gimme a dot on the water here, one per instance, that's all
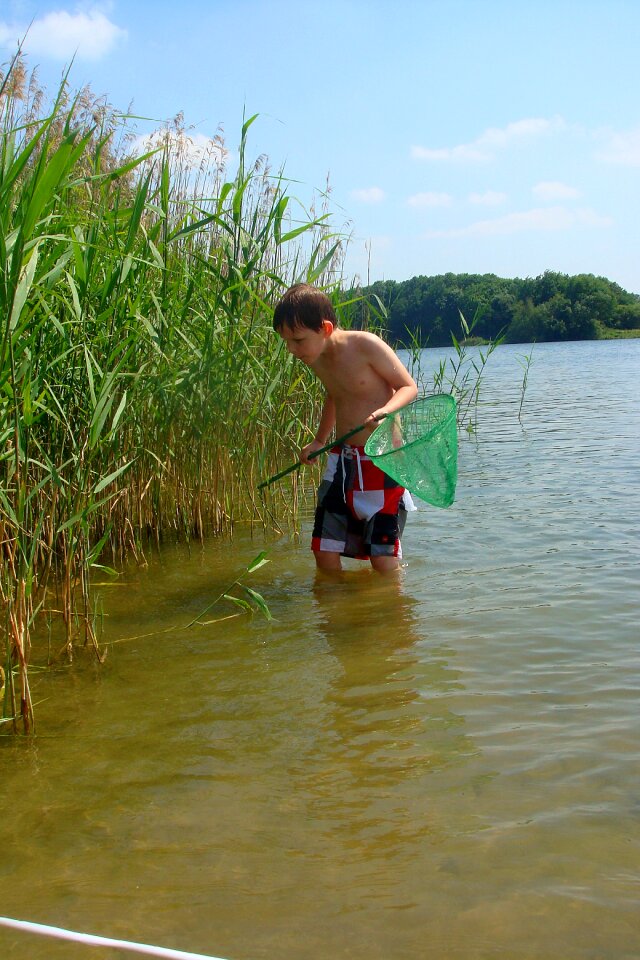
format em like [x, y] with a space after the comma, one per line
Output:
[444, 766]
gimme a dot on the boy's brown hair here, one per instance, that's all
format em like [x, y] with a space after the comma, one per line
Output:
[303, 306]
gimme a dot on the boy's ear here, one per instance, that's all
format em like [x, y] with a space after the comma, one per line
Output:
[327, 326]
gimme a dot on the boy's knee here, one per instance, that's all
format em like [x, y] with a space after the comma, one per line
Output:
[327, 561]
[385, 564]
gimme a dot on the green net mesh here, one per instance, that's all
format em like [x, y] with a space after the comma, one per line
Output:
[418, 447]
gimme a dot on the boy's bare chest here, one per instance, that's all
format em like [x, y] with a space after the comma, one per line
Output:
[348, 378]
[353, 384]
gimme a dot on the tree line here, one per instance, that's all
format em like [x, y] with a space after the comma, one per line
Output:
[554, 306]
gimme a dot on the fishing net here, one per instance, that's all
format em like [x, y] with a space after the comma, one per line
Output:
[418, 447]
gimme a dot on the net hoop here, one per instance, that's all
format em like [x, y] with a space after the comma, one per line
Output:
[426, 462]
[425, 438]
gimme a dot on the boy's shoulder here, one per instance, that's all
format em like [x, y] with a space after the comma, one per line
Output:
[362, 338]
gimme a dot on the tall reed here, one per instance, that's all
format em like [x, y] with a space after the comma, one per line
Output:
[142, 392]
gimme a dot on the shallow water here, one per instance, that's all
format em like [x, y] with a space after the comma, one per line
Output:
[443, 765]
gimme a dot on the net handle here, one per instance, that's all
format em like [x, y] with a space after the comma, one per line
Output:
[316, 453]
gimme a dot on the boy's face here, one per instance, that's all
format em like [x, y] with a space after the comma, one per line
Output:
[305, 344]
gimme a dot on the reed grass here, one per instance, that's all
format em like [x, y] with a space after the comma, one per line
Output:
[525, 361]
[142, 392]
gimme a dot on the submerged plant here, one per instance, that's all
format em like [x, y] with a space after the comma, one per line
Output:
[247, 601]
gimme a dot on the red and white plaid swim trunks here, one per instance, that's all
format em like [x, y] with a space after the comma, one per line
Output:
[361, 511]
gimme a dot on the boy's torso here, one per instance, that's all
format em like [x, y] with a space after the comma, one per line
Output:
[352, 383]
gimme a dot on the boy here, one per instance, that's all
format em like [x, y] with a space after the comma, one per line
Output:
[360, 511]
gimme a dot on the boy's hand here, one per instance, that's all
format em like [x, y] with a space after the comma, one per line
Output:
[401, 397]
[309, 449]
[377, 415]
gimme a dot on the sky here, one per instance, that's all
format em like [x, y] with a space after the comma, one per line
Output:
[463, 136]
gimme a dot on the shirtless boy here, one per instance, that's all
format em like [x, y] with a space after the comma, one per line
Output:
[360, 511]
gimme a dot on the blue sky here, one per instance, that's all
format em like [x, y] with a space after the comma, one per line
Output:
[477, 136]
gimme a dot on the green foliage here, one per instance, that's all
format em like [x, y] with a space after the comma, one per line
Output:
[553, 306]
[142, 390]
[247, 603]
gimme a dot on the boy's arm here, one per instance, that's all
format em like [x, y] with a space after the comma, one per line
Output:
[401, 398]
[326, 425]
[388, 365]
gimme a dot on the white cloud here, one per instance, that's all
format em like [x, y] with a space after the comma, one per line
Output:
[490, 198]
[368, 195]
[539, 219]
[622, 149]
[465, 151]
[491, 140]
[549, 190]
[61, 35]
[429, 200]
[532, 127]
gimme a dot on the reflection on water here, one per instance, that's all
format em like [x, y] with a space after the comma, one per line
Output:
[438, 764]
[385, 724]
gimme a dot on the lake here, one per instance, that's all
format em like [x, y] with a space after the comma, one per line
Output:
[439, 765]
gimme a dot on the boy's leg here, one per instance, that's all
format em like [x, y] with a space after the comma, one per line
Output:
[385, 564]
[331, 521]
[326, 560]
[384, 530]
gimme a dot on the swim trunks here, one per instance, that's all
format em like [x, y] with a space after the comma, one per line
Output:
[361, 511]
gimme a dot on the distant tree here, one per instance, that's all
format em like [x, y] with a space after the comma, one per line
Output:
[547, 286]
[526, 325]
[552, 306]
[626, 316]
[557, 318]
[502, 309]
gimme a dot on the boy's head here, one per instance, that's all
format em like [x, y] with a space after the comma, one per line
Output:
[303, 306]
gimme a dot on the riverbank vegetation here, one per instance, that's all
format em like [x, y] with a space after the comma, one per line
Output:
[553, 306]
[142, 391]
